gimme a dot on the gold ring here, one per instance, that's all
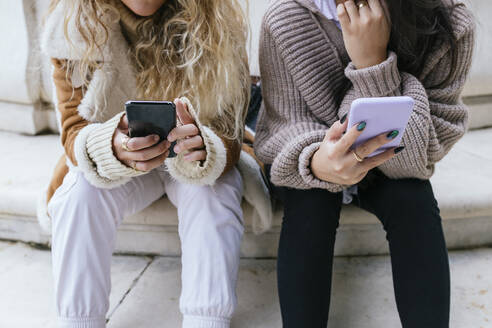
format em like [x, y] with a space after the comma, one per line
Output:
[134, 166]
[361, 4]
[124, 144]
[357, 157]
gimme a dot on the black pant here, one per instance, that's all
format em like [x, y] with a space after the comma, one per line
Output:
[410, 215]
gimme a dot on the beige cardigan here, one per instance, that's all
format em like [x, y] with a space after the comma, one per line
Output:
[308, 84]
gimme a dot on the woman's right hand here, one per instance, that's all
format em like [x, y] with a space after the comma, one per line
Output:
[143, 154]
[335, 162]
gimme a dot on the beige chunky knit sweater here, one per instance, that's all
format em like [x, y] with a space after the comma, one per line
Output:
[309, 83]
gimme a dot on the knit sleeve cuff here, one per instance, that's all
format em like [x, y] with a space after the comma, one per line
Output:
[86, 165]
[291, 167]
[376, 81]
[200, 172]
[99, 146]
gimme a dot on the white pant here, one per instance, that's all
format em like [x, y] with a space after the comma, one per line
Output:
[85, 220]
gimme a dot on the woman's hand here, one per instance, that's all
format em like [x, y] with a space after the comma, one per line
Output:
[366, 31]
[142, 153]
[188, 135]
[334, 161]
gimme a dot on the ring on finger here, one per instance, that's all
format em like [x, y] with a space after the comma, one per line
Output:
[357, 157]
[134, 166]
[124, 144]
[361, 4]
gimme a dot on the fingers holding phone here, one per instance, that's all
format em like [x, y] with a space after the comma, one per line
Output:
[336, 161]
[331, 162]
[187, 135]
[374, 131]
[141, 153]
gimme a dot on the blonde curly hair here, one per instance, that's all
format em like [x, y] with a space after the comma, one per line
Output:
[192, 48]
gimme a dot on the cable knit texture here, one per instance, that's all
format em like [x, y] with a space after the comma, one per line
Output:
[309, 83]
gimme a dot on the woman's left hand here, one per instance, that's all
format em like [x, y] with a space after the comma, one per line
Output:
[187, 134]
[366, 31]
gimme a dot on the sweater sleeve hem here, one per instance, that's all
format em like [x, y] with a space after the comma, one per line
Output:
[306, 173]
[100, 149]
[376, 81]
[291, 166]
[196, 172]
[87, 165]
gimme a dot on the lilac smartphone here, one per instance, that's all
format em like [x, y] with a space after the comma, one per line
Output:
[381, 115]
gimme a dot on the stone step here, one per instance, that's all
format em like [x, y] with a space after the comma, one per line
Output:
[480, 111]
[145, 291]
[461, 184]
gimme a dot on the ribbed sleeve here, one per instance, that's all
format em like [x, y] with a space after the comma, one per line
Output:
[200, 172]
[376, 81]
[99, 147]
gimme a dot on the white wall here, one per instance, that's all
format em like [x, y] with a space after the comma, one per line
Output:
[480, 82]
[256, 10]
[13, 52]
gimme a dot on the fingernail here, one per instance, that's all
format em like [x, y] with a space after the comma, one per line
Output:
[399, 149]
[176, 149]
[392, 134]
[361, 126]
[156, 137]
[342, 120]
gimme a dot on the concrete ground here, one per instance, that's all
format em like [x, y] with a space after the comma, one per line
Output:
[146, 291]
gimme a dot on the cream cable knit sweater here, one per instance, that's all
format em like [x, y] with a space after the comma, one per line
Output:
[308, 84]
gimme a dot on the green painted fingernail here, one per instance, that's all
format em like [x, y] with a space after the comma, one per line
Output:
[392, 134]
[361, 126]
[399, 149]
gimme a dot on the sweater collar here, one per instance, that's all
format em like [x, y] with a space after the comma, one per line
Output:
[129, 22]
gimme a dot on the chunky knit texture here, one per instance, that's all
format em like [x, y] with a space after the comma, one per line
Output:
[309, 83]
[99, 145]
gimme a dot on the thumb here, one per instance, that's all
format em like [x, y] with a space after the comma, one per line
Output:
[123, 123]
[183, 113]
[336, 130]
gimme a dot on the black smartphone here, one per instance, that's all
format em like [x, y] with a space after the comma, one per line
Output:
[151, 117]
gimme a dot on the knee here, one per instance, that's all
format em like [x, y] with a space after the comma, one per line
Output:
[75, 190]
[311, 210]
[211, 211]
[77, 202]
[411, 203]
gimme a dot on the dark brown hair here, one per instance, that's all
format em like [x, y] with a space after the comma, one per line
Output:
[417, 27]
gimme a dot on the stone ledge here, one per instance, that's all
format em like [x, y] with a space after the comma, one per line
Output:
[26, 118]
[480, 109]
[465, 200]
[353, 239]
